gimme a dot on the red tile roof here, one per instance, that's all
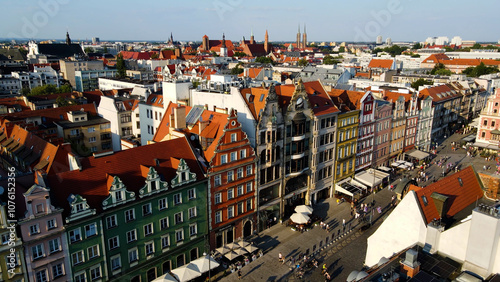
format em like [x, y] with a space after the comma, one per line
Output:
[459, 196]
[155, 100]
[92, 181]
[52, 114]
[14, 101]
[436, 58]
[380, 63]
[255, 98]
[130, 55]
[320, 101]
[439, 93]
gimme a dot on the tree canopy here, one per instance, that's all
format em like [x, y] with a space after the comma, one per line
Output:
[393, 50]
[120, 66]
[236, 70]
[50, 89]
[329, 60]
[440, 69]
[239, 54]
[416, 46]
[479, 70]
[303, 62]
[420, 82]
[88, 50]
[264, 60]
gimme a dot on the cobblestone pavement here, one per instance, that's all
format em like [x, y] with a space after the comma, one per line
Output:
[347, 253]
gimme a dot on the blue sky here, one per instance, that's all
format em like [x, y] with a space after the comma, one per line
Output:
[358, 20]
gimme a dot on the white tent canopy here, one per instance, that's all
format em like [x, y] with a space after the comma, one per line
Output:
[166, 278]
[417, 154]
[304, 209]
[300, 218]
[371, 177]
[349, 187]
[205, 263]
[186, 272]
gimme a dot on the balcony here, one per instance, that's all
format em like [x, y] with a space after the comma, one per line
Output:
[299, 138]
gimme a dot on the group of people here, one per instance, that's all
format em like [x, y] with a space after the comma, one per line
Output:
[324, 226]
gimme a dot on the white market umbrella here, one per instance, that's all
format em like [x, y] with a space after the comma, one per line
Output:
[231, 255]
[304, 209]
[186, 272]
[166, 278]
[251, 248]
[233, 246]
[243, 243]
[223, 250]
[205, 263]
[299, 218]
[241, 251]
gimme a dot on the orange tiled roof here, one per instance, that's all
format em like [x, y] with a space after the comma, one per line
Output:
[436, 58]
[126, 165]
[320, 102]
[439, 93]
[380, 63]
[459, 196]
[256, 99]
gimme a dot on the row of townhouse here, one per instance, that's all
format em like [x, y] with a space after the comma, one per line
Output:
[129, 216]
[306, 138]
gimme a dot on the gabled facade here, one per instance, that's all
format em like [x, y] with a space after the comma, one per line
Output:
[232, 192]
[347, 135]
[44, 239]
[398, 129]
[270, 143]
[411, 113]
[366, 129]
[424, 125]
[488, 133]
[299, 119]
[143, 215]
[382, 136]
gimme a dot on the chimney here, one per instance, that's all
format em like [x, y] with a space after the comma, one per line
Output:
[205, 107]
[410, 266]
[202, 126]
[441, 203]
[180, 117]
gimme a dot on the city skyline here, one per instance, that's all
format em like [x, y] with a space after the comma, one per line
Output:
[153, 21]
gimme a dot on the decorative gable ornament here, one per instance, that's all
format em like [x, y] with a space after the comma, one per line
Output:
[118, 194]
[184, 175]
[153, 185]
[79, 208]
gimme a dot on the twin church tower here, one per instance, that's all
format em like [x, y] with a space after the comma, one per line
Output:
[303, 44]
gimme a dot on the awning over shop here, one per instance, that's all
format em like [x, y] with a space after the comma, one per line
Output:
[349, 188]
[469, 138]
[417, 154]
[474, 123]
[495, 131]
[486, 145]
[371, 177]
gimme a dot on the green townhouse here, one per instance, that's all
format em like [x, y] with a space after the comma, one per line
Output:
[135, 214]
[12, 266]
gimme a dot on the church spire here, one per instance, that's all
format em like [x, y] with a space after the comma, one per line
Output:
[223, 41]
[298, 37]
[252, 41]
[68, 40]
[266, 42]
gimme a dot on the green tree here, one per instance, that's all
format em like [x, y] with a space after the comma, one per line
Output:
[195, 83]
[440, 69]
[303, 62]
[49, 89]
[105, 49]
[88, 50]
[236, 70]
[61, 101]
[479, 70]
[65, 88]
[264, 60]
[420, 82]
[154, 56]
[239, 54]
[477, 46]
[341, 49]
[416, 46]
[25, 91]
[329, 60]
[120, 66]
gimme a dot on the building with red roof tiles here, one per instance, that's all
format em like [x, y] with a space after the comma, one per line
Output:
[446, 103]
[131, 55]
[27, 152]
[449, 217]
[151, 199]
[433, 59]
[383, 64]
[13, 104]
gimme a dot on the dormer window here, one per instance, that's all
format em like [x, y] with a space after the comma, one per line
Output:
[79, 207]
[39, 208]
[118, 196]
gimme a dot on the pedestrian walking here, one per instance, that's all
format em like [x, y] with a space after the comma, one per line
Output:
[239, 274]
[323, 270]
[327, 277]
[280, 257]
[327, 229]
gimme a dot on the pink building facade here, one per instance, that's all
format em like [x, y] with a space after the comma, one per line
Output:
[42, 231]
[382, 138]
[488, 132]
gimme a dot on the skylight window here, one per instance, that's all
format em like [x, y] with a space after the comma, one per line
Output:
[460, 181]
[261, 97]
[424, 199]
[153, 100]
